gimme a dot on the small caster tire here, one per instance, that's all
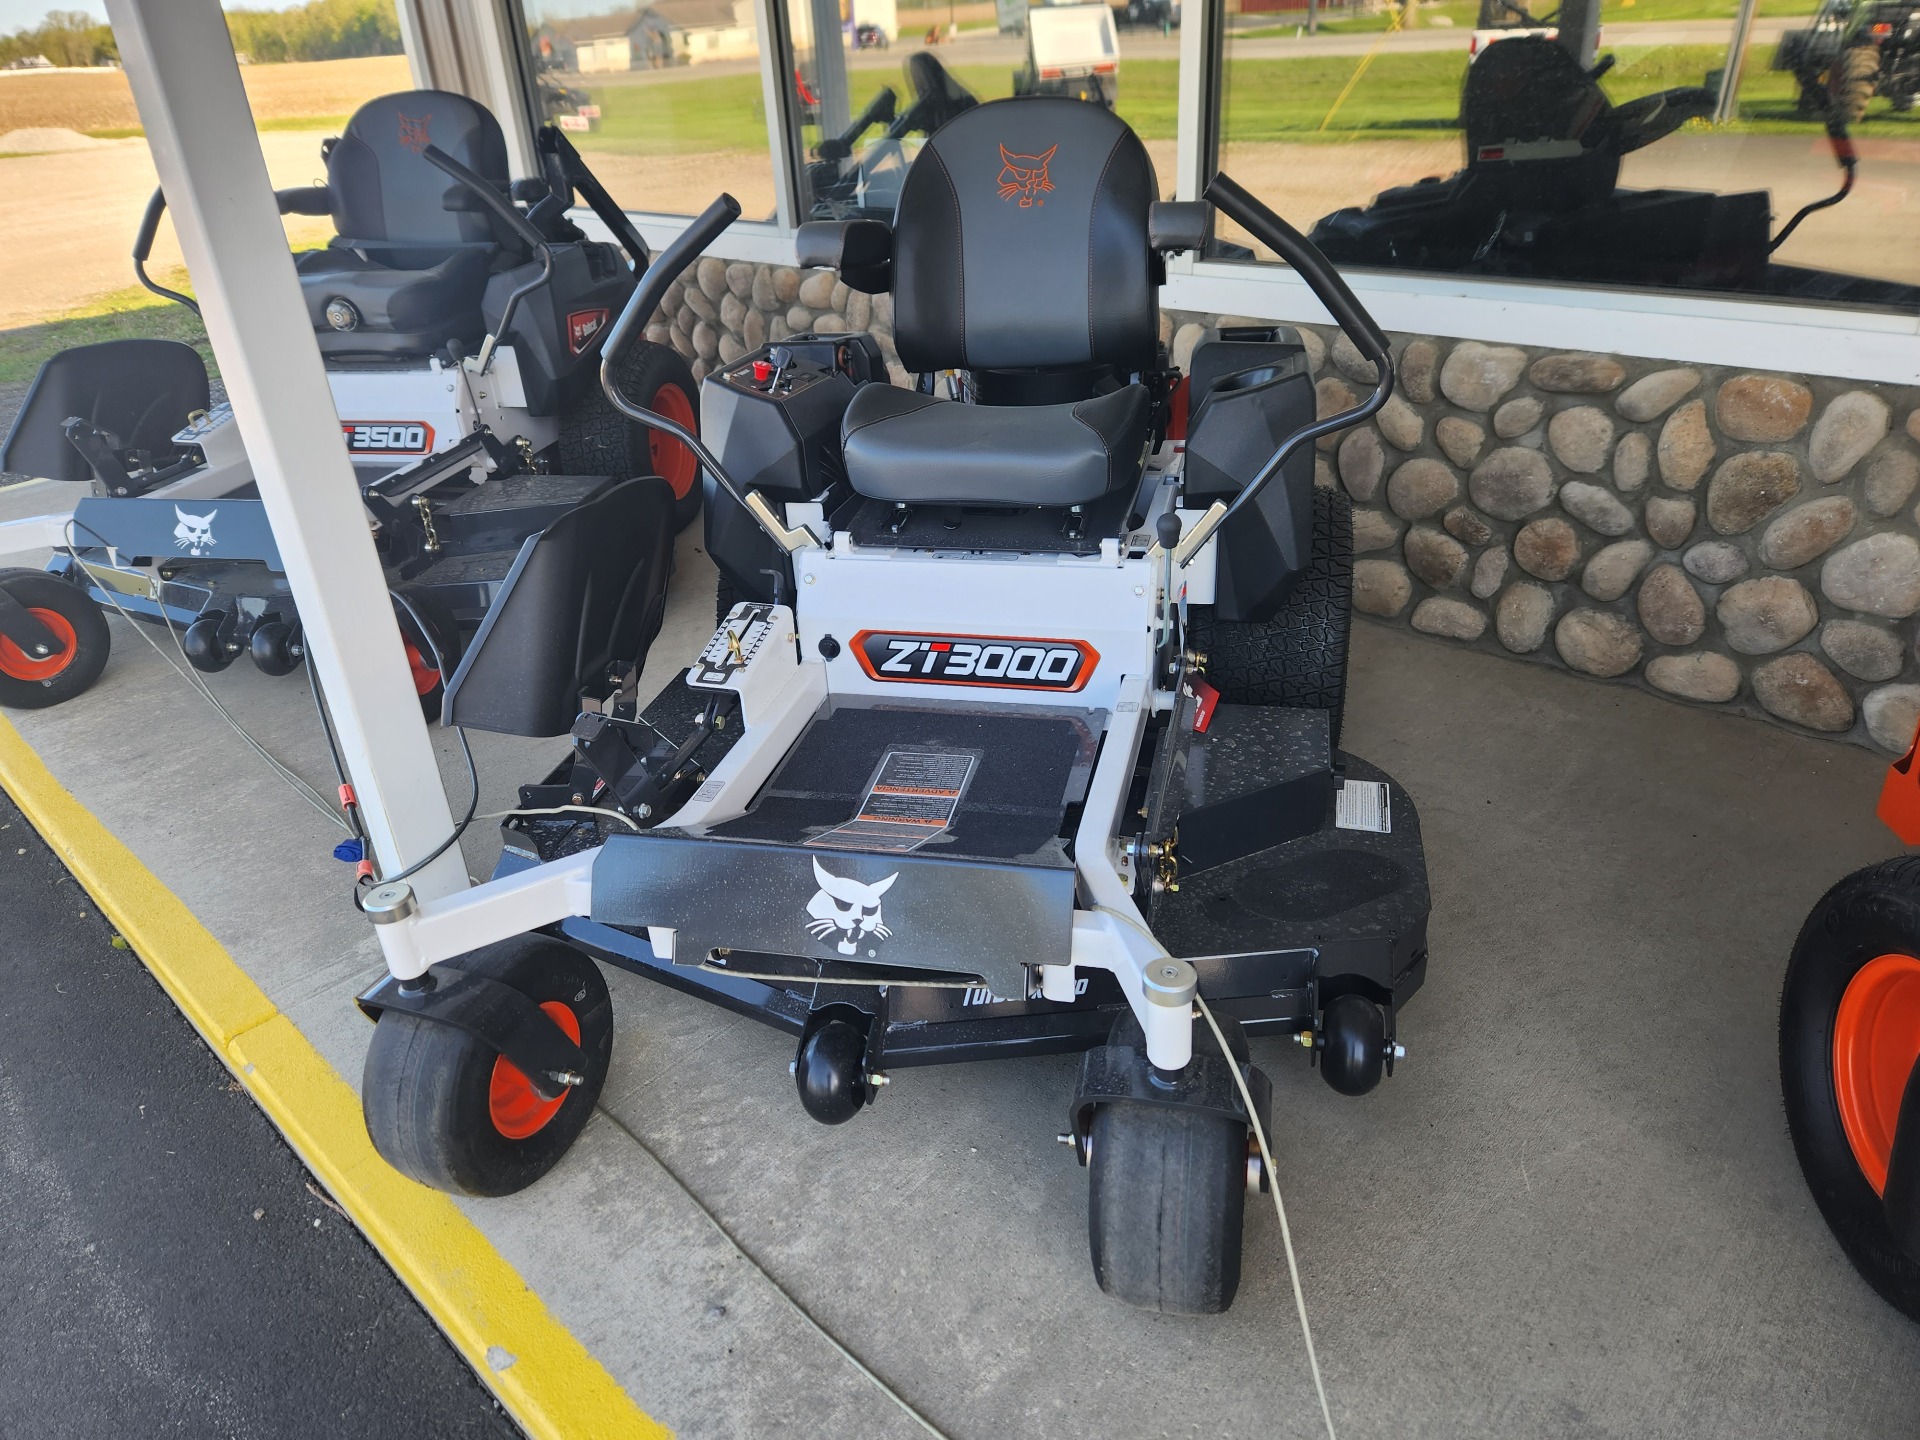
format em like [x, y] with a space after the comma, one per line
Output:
[1165, 1199]
[449, 1110]
[1354, 1055]
[205, 646]
[30, 682]
[432, 639]
[829, 1072]
[1849, 1042]
[275, 648]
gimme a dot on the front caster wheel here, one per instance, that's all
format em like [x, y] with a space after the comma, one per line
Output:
[1167, 1190]
[1849, 1042]
[450, 1111]
[34, 682]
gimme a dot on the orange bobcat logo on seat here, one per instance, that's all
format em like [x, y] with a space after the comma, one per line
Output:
[413, 131]
[1025, 176]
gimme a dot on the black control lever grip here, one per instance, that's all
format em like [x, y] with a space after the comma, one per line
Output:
[487, 196]
[1233, 200]
[664, 270]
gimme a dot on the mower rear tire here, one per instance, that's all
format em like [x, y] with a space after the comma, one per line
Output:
[1165, 1199]
[1849, 1034]
[597, 439]
[448, 1110]
[432, 638]
[1299, 657]
[1852, 81]
[31, 683]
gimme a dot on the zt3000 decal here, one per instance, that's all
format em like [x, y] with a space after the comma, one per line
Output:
[1006, 661]
[387, 437]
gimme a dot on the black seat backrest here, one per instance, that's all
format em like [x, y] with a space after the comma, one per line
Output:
[585, 594]
[385, 191]
[137, 392]
[1020, 242]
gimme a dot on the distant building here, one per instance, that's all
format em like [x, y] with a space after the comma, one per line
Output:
[30, 62]
[667, 32]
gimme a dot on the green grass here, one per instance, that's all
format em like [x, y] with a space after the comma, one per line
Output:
[122, 315]
[1465, 15]
[1397, 95]
[286, 122]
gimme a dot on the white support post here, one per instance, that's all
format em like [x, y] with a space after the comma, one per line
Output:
[1200, 90]
[186, 84]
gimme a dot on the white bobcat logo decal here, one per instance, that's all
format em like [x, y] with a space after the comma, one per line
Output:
[846, 910]
[194, 533]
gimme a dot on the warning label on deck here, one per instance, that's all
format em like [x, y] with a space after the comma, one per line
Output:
[1363, 805]
[911, 799]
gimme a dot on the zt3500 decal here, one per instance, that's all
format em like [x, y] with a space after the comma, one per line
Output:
[387, 437]
[1009, 662]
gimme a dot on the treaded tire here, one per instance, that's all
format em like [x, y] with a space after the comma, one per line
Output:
[425, 1089]
[596, 439]
[1852, 81]
[1873, 912]
[1299, 657]
[1165, 1199]
[29, 684]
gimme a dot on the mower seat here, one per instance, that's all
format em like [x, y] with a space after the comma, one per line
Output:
[408, 268]
[1020, 252]
[917, 449]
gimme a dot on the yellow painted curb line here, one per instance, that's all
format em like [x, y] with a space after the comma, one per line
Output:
[547, 1380]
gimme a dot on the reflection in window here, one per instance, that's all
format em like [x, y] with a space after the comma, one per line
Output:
[1473, 141]
[891, 75]
[664, 99]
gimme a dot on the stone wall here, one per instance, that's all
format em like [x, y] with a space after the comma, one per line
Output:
[1747, 541]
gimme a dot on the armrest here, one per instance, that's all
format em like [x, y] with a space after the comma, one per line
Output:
[860, 250]
[305, 200]
[1177, 225]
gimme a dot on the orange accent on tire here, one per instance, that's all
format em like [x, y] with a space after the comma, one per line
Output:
[1876, 1042]
[17, 664]
[673, 462]
[425, 677]
[515, 1107]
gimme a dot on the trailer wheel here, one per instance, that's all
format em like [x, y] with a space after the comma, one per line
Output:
[1299, 657]
[1849, 1039]
[29, 682]
[596, 439]
[1852, 80]
[1165, 1198]
[449, 1111]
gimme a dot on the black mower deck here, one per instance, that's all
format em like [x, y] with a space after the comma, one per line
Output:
[1276, 902]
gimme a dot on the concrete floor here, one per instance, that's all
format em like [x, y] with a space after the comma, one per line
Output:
[1575, 1211]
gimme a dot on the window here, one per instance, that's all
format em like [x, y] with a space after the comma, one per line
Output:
[1471, 137]
[896, 71]
[664, 100]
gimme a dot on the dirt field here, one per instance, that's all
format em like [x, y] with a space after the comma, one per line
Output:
[94, 100]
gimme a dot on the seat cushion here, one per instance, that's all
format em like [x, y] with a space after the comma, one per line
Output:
[921, 450]
[399, 310]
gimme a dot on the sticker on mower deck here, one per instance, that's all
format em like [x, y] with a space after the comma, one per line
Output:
[1363, 805]
[387, 437]
[1004, 662]
[910, 800]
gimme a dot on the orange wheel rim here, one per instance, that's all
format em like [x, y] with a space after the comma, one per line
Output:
[425, 677]
[1876, 1040]
[673, 462]
[513, 1104]
[17, 664]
